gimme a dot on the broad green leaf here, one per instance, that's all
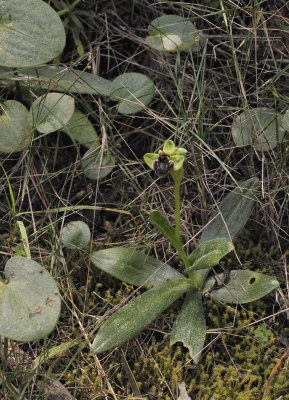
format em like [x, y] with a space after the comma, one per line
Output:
[172, 33]
[132, 318]
[31, 33]
[96, 164]
[15, 127]
[75, 235]
[163, 225]
[59, 79]
[234, 211]
[81, 129]
[209, 253]
[51, 112]
[259, 127]
[133, 91]
[190, 325]
[133, 266]
[243, 286]
[29, 301]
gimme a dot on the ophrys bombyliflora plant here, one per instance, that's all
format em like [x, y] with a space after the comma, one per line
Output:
[137, 268]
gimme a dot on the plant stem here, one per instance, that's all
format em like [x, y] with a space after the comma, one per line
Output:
[177, 209]
[177, 177]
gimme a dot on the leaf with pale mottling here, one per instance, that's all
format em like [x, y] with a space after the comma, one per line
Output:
[231, 216]
[243, 286]
[51, 112]
[81, 129]
[15, 127]
[31, 33]
[133, 266]
[190, 325]
[133, 91]
[29, 301]
[209, 253]
[132, 318]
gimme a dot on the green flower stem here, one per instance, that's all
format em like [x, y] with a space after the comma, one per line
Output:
[177, 208]
[177, 177]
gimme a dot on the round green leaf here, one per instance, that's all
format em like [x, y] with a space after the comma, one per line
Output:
[96, 164]
[133, 91]
[75, 235]
[51, 111]
[81, 129]
[31, 33]
[243, 286]
[172, 33]
[260, 127]
[29, 301]
[15, 127]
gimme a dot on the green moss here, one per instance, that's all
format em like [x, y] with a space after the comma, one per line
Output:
[235, 365]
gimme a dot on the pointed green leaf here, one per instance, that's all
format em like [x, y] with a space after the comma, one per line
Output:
[133, 91]
[132, 318]
[51, 111]
[243, 286]
[81, 129]
[15, 127]
[97, 164]
[169, 147]
[149, 158]
[29, 301]
[190, 325]
[133, 266]
[31, 33]
[162, 223]
[234, 211]
[209, 253]
[75, 235]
